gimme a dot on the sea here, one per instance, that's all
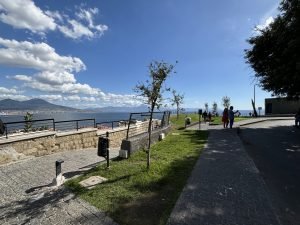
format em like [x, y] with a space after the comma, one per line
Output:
[99, 117]
[64, 116]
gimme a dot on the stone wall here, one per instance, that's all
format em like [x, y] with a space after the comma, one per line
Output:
[140, 141]
[44, 143]
[118, 134]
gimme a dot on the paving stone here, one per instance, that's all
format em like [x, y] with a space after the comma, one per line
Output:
[27, 196]
[225, 187]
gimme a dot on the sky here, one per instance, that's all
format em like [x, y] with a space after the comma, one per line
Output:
[93, 53]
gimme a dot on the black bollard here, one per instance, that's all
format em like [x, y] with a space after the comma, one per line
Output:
[58, 167]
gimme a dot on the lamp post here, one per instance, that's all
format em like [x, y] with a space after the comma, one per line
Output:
[254, 95]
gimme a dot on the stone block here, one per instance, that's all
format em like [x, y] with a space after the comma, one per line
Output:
[123, 154]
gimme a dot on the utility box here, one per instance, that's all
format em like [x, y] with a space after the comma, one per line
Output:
[161, 137]
[123, 154]
[188, 120]
[103, 145]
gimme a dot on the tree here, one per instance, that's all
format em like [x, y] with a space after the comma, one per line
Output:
[226, 101]
[28, 124]
[178, 101]
[206, 107]
[152, 91]
[214, 108]
[274, 54]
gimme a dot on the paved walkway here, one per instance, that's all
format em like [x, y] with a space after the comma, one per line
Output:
[225, 187]
[27, 197]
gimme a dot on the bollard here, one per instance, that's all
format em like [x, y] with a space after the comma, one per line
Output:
[59, 179]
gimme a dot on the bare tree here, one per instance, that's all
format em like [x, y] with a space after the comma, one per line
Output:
[214, 108]
[178, 101]
[152, 91]
[206, 107]
[226, 101]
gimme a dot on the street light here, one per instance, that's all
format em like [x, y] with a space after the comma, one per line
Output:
[254, 94]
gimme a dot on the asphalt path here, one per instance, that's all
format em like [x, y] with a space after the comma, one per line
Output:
[274, 147]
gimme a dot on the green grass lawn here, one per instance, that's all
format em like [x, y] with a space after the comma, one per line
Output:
[135, 195]
[217, 120]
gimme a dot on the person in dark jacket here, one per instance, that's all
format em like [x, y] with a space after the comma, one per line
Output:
[2, 127]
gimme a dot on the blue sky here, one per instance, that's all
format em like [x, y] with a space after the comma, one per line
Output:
[93, 53]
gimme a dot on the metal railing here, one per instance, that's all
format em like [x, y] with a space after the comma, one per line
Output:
[164, 118]
[74, 124]
[111, 124]
[19, 127]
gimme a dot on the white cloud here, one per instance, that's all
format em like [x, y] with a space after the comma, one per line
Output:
[68, 88]
[264, 24]
[76, 30]
[267, 18]
[51, 97]
[26, 15]
[4, 90]
[72, 98]
[55, 78]
[88, 15]
[39, 56]
[88, 99]
[20, 78]
[121, 100]
[14, 97]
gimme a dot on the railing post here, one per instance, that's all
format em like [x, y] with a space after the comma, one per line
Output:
[112, 125]
[128, 126]
[94, 123]
[162, 123]
[6, 131]
[77, 125]
[53, 124]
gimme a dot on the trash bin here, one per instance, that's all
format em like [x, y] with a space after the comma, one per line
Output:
[103, 145]
[188, 120]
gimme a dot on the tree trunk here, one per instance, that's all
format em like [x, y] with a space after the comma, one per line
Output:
[149, 137]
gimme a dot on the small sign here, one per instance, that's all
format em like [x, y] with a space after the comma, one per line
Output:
[259, 108]
[200, 111]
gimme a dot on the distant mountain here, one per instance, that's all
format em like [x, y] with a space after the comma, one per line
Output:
[32, 104]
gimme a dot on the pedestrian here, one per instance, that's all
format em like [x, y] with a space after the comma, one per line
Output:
[204, 115]
[225, 118]
[231, 116]
[2, 127]
[297, 118]
[209, 116]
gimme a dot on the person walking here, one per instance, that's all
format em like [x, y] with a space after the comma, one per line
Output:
[297, 118]
[209, 117]
[204, 115]
[231, 116]
[2, 127]
[225, 118]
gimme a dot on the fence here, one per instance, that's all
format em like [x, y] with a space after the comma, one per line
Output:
[111, 124]
[21, 127]
[160, 119]
[74, 124]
